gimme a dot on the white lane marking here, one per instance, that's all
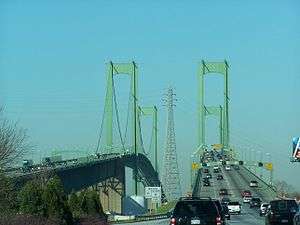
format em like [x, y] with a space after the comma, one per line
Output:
[227, 181]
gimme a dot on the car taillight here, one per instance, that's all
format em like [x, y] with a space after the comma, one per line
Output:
[173, 221]
[218, 221]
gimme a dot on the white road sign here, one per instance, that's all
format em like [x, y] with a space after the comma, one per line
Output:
[153, 192]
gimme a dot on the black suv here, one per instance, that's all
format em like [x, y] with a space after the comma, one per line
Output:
[281, 212]
[223, 209]
[255, 202]
[195, 210]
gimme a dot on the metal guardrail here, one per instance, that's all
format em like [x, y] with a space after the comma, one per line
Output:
[197, 185]
[141, 218]
[263, 181]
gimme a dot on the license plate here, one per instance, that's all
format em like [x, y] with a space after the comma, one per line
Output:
[195, 221]
[284, 221]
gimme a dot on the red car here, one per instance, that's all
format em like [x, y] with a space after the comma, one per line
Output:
[246, 193]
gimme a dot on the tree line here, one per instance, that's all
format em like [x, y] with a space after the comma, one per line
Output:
[39, 201]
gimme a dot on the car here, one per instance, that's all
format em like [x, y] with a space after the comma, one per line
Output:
[247, 199]
[281, 211]
[225, 200]
[220, 177]
[227, 168]
[236, 167]
[216, 170]
[216, 167]
[225, 210]
[223, 191]
[206, 183]
[296, 219]
[208, 176]
[195, 210]
[234, 207]
[253, 183]
[246, 193]
[263, 209]
[205, 170]
[255, 202]
[221, 209]
[205, 179]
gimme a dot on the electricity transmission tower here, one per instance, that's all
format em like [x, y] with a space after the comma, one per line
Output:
[171, 181]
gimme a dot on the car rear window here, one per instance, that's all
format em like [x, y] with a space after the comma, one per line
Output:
[233, 203]
[284, 205]
[195, 208]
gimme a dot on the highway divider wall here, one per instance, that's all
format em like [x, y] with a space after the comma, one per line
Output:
[140, 218]
[262, 180]
[267, 190]
[197, 185]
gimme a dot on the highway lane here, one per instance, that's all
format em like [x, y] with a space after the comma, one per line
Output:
[235, 181]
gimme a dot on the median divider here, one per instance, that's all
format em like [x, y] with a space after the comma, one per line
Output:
[139, 218]
[263, 181]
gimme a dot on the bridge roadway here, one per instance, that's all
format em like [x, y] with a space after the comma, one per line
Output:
[235, 181]
[77, 175]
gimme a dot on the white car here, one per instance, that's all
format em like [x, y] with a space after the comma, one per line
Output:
[253, 183]
[263, 209]
[234, 207]
[227, 168]
[216, 167]
[247, 199]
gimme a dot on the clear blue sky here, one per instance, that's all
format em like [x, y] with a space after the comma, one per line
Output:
[53, 55]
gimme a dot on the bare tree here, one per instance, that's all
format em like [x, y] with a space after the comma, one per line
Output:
[13, 141]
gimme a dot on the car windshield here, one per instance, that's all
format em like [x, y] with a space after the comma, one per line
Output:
[195, 208]
[255, 199]
[284, 205]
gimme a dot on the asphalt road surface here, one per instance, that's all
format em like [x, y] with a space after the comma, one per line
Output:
[235, 181]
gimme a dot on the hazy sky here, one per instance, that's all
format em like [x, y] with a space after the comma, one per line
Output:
[53, 55]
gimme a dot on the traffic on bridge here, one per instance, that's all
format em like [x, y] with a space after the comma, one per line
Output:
[149, 112]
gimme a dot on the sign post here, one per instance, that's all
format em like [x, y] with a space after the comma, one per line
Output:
[154, 195]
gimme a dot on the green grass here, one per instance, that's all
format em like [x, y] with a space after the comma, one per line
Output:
[164, 208]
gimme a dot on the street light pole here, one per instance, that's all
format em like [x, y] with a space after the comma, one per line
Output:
[271, 171]
[260, 160]
[252, 158]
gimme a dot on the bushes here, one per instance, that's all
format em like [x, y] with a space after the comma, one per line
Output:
[86, 204]
[90, 203]
[30, 199]
[49, 201]
[8, 205]
[27, 220]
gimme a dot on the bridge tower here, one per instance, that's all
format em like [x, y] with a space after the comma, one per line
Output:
[152, 111]
[115, 142]
[216, 111]
[207, 68]
[170, 179]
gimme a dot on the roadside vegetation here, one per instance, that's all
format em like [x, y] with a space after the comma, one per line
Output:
[166, 207]
[41, 200]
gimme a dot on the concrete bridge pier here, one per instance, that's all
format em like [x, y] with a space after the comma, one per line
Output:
[112, 193]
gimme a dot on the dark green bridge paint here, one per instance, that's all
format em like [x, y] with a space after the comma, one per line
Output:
[82, 176]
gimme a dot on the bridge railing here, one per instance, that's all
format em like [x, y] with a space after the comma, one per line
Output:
[197, 184]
